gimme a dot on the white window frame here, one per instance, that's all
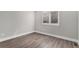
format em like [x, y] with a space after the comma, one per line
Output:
[57, 24]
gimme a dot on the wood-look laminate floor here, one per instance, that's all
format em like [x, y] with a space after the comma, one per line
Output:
[36, 40]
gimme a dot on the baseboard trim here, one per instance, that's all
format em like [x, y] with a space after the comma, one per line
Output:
[65, 38]
[14, 36]
[78, 43]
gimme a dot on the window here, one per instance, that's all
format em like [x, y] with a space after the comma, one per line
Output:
[50, 17]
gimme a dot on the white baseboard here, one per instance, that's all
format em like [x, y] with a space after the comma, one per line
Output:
[65, 38]
[78, 42]
[8, 38]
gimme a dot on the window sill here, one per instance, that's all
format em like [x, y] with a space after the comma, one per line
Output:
[50, 24]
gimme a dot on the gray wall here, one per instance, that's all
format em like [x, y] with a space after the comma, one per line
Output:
[68, 24]
[15, 23]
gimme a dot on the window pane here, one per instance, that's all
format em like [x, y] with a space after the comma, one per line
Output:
[45, 17]
[54, 17]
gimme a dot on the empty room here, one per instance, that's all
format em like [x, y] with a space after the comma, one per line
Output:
[39, 29]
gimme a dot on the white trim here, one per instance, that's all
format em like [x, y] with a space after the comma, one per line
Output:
[78, 28]
[78, 43]
[65, 38]
[8, 38]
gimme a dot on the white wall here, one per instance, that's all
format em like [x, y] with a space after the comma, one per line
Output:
[20, 22]
[68, 25]
[25, 22]
[78, 25]
[16, 23]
